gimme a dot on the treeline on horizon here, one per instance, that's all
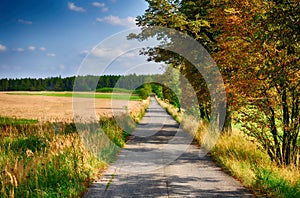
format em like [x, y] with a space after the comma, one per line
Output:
[83, 83]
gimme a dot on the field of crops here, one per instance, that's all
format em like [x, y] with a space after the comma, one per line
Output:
[50, 159]
[57, 106]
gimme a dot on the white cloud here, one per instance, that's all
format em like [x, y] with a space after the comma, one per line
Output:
[20, 49]
[115, 20]
[98, 4]
[3, 48]
[25, 22]
[31, 48]
[75, 8]
[123, 50]
[51, 54]
[42, 48]
[105, 52]
[83, 53]
[105, 9]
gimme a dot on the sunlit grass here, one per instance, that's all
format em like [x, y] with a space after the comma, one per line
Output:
[36, 161]
[59, 159]
[253, 167]
[245, 160]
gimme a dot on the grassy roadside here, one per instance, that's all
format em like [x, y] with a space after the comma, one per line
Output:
[52, 160]
[242, 158]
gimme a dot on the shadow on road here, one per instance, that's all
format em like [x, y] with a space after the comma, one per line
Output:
[161, 160]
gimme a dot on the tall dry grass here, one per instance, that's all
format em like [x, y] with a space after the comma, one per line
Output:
[54, 159]
[38, 161]
[244, 159]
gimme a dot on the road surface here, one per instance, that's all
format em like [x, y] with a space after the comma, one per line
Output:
[160, 160]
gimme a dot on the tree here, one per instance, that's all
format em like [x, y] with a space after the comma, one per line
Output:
[256, 46]
[171, 87]
[279, 77]
[259, 54]
[190, 18]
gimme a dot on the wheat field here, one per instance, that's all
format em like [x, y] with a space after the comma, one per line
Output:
[58, 109]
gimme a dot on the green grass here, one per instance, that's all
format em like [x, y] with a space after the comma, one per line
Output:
[116, 90]
[85, 95]
[15, 121]
[254, 168]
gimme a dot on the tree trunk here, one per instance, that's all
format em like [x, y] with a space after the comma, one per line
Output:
[286, 130]
[227, 127]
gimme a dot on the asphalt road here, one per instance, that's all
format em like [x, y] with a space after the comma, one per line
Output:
[160, 160]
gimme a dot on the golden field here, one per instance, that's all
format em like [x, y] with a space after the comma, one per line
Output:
[56, 108]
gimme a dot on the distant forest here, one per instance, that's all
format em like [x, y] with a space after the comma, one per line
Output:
[83, 83]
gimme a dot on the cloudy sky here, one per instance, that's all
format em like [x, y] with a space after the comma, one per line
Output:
[52, 37]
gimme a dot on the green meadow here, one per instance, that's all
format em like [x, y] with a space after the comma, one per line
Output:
[115, 96]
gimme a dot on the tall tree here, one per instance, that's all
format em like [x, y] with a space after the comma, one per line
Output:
[190, 18]
[259, 54]
[256, 46]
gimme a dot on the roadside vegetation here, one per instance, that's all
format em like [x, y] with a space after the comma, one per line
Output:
[255, 45]
[52, 160]
[244, 159]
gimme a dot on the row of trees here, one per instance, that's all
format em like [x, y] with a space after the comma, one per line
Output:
[255, 44]
[84, 83]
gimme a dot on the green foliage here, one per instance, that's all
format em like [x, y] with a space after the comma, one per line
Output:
[158, 90]
[191, 18]
[172, 87]
[171, 97]
[145, 91]
[83, 83]
[110, 90]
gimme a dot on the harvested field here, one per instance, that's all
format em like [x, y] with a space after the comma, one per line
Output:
[58, 109]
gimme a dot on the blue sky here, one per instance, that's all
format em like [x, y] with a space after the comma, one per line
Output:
[52, 37]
